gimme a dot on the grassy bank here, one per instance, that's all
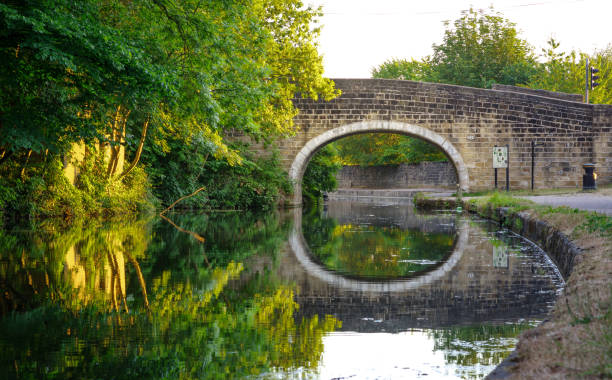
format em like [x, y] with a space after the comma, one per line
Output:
[576, 341]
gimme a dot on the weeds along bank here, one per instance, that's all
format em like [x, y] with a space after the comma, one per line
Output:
[576, 340]
[42, 189]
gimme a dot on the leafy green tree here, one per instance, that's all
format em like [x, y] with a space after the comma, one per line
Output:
[61, 67]
[254, 101]
[156, 79]
[565, 72]
[479, 49]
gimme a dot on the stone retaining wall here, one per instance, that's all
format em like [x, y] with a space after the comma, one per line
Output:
[404, 176]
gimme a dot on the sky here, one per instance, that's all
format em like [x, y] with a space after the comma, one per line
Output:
[358, 35]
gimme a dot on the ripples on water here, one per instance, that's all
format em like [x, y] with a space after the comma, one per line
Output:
[357, 290]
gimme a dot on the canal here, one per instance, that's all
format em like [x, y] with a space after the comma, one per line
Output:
[360, 289]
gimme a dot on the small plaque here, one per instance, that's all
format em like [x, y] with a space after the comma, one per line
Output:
[500, 157]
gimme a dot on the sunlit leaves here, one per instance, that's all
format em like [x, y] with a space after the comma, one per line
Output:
[565, 72]
[385, 149]
[478, 49]
[482, 48]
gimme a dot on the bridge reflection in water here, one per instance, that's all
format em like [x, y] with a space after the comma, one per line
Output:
[473, 285]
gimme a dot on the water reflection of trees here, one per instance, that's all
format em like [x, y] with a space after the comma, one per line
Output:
[475, 349]
[374, 251]
[143, 300]
[76, 267]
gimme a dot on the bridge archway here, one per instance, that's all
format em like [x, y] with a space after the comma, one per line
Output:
[299, 164]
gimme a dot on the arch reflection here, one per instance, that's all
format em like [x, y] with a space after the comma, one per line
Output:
[300, 248]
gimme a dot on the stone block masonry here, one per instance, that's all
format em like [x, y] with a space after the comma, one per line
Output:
[465, 123]
[404, 176]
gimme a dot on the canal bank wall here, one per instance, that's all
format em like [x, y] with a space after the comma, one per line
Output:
[574, 341]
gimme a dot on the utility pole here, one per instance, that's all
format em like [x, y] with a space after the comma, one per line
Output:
[587, 81]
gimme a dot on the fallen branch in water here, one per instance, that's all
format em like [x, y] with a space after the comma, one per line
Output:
[194, 234]
[180, 199]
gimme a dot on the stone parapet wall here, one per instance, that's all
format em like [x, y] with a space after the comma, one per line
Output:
[544, 93]
[424, 174]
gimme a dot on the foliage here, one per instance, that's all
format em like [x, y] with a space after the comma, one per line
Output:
[60, 67]
[370, 149]
[42, 190]
[479, 48]
[482, 48]
[403, 69]
[320, 173]
[565, 72]
[159, 79]
[258, 184]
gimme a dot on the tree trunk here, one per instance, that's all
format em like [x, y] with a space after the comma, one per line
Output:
[5, 156]
[25, 165]
[118, 138]
[143, 136]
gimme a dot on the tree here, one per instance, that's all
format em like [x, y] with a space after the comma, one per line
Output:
[403, 69]
[479, 49]
[61, 71]
[482, 48]
[565, 72]
[157, 80]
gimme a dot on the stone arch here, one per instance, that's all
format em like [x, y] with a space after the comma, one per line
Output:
[301, 160]
[300, 249]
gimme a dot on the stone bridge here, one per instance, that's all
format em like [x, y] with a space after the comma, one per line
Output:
[465, 123]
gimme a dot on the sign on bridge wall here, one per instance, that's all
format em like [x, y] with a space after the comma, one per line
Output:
[500, 157]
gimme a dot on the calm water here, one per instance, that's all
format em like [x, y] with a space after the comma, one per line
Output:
[355, 290]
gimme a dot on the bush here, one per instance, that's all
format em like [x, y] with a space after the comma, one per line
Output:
[44, 191]
[320, 174]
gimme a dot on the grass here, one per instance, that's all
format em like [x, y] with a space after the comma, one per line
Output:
[602, 189]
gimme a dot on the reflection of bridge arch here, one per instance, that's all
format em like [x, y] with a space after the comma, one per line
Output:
[298, 167]
[300, 249]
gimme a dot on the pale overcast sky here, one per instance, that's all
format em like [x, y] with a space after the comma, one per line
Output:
[360, 34]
